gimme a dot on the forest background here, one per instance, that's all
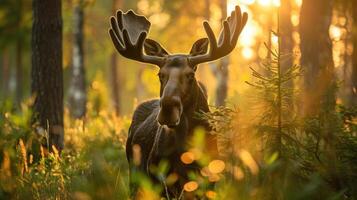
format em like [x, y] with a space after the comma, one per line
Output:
[283, 103]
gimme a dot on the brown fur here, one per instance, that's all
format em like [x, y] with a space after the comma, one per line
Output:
[169, 143]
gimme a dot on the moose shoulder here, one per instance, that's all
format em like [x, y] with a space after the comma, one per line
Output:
[161, 129]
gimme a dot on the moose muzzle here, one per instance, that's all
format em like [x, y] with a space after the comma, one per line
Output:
[170, 111]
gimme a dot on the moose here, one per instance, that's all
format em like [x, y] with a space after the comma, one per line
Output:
[161, 129]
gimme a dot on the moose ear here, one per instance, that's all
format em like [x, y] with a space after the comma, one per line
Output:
[199, 47]
[153, 48]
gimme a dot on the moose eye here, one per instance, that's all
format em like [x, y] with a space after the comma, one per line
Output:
[161, 76]
[190, 76]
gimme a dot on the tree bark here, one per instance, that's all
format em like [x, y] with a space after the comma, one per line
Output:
[353, 97]
[140, 86]
[19, 68]
[320, 84]
[114, 77]
[221, 70]
[46, 72]
[316, 55]
[286, 36]
[207, 9]
[19, 76]
[5, 73]
[77, 90]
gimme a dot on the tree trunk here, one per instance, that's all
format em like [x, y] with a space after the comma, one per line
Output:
[140, 86]
[316, 55]
[77, 90]
[320, 84]
[114, 77]
[286, 36]
[353, 97]
[207, 10]
[5, 73]
[46, 72]
[19, 76]
[221, 71]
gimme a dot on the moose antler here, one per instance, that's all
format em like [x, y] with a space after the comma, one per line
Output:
[128, 32]
[232, 27]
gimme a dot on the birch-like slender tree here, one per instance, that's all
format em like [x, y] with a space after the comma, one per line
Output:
[77, 90]
[114, 76]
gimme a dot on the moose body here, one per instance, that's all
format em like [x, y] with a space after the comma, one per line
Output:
[159, 143]
[162, 129]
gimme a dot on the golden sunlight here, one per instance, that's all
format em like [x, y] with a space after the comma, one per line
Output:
[298, 2]
[247, 53]
[249, 161]
[295, 20]
[238, 173]
[274, 39]
[249, 34]
[335, 32]
[275, 3]
[246, 2]
[231, 4]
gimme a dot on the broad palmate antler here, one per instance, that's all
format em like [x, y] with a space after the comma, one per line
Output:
[129, 31]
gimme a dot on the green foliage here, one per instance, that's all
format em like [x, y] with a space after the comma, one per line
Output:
[92, 166]
[275, 98]
[15, 22]
[278, 155]
[294, 157]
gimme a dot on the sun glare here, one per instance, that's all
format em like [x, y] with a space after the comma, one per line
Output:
[247, 53]
[275, 3]
[249, 34]
[298, 2]
[246, 2]
[335, 32]
[274, 39]
[231, 4]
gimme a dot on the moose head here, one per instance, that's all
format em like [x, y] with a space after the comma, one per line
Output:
[177, 71]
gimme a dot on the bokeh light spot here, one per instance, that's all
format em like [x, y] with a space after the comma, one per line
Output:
[188, 157]
[216, 166]
[190, 186]
[211, 194]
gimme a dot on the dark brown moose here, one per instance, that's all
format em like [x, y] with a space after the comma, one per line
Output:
[161, 129]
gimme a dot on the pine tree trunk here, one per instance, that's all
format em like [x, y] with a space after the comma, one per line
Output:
[320, 84]
[5, 73]
[140, 86]
[353, 97]
[221, 71]
[19, 76]
[316, 55]
[46, 74]
[207, 10]
[114, 76]
[77, 90]
[286, 37]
